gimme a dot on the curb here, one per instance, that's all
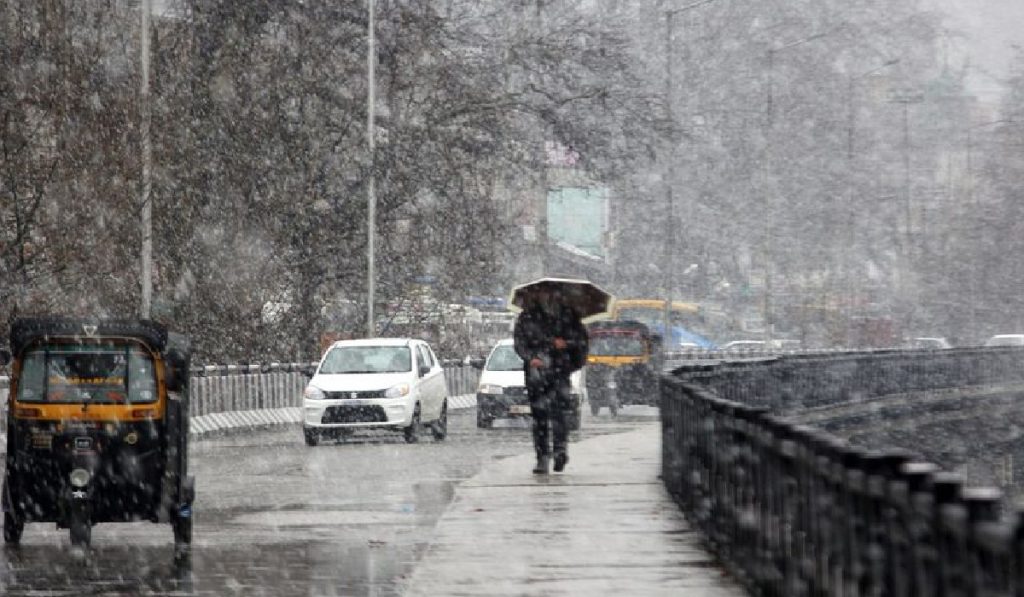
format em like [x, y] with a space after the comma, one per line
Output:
[218, 423]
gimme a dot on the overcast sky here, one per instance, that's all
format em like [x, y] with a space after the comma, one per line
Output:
[990, 27]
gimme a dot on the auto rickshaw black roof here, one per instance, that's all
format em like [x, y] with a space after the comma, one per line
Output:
[25, 331]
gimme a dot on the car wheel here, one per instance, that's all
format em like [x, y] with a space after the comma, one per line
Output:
[594, 408]
[412, 432]
[483, 421]
[312, 437]
[440, 426]
[12, 529]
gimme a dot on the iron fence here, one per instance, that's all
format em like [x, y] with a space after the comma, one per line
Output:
[226, 388]
[795, 511]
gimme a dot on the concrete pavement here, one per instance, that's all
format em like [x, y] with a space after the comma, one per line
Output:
[606, 526]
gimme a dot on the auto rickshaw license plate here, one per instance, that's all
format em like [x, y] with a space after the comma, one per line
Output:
[519, 409]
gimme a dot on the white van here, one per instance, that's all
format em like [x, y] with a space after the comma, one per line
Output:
[502, 389]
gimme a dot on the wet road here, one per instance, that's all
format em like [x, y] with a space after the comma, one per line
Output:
[274, 517]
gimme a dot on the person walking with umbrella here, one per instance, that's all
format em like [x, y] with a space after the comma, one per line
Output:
[552, 342]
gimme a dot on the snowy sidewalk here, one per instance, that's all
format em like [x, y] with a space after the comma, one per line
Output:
[606, 526]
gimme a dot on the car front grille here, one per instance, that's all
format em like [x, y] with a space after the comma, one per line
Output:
[354, 414]
[515, 391]
[354, 395]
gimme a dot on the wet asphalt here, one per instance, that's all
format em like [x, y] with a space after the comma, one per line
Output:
[275, 517]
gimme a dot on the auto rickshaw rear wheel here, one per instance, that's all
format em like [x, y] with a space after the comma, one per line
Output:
[12, 529]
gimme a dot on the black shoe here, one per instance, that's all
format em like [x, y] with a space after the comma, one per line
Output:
[542, 465]
[560, 461]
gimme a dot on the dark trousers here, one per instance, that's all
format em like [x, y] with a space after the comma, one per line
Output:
[550, 407]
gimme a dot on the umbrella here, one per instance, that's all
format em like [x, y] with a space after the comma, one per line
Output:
[589, 300]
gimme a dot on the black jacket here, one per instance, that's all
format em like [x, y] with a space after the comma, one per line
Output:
[534, 334]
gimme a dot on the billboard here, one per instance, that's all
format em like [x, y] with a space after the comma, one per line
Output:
[578, 216]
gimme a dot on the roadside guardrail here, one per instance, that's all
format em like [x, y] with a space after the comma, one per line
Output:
[793, 510]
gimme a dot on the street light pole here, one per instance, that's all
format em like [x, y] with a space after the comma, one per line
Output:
[851, 93]
[670, 232]
[769, 186]
[905, 254]
[972, 205]
[146, 256]
[371, 189]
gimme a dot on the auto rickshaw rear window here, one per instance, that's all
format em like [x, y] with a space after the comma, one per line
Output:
[99, 374]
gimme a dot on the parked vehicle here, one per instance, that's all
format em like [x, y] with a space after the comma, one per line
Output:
[1006, 340]
[98, 427]
[502, 390]
[740, 346]
[930, 343]
[623, 365]
[379, 383]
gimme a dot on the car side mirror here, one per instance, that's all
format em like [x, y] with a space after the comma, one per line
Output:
[307, 369]
[477, 363]
[424, 369]
[5, 357]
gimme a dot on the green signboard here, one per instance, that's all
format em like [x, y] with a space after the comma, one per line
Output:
[579, 217]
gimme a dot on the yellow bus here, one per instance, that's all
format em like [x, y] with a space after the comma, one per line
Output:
[688, 321]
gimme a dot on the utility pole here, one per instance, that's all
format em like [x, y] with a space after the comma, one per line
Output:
[146, 257]
[851, 288]
[768, 307]
[670, 231]
[371, 188]
[906, 99]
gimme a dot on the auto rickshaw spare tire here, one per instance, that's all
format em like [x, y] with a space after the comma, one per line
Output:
[12, 529]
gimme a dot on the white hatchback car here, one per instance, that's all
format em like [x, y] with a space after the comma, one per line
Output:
[502, 390]
[389, 383]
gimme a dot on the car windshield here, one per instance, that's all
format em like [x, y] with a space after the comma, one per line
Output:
[620, 345]
[367, 359]
[504, 358]
[73, 373]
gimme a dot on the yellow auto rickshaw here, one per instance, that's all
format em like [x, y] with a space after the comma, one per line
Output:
[97, 427]
[622, 365]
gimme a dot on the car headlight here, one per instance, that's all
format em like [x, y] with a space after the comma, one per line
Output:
[398, 391]
[490, 388]
[80, 477]
[314, 393]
